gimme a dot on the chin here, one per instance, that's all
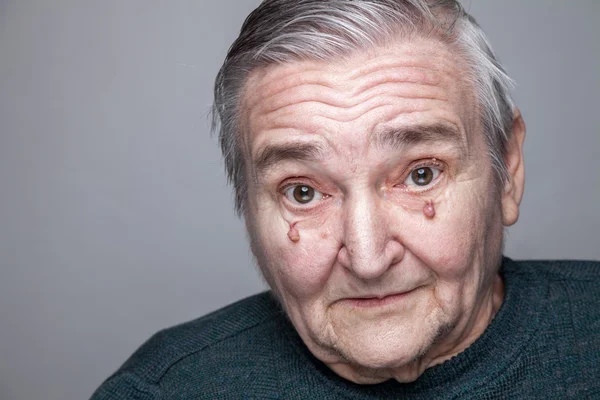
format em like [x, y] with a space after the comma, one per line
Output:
[386, 345]
[385, 354]
[369, 362]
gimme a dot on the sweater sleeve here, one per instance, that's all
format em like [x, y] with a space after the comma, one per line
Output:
[127, 386]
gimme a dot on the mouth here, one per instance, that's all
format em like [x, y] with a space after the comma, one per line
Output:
[377, 301]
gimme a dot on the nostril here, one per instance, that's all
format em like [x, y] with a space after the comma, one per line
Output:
[344, 257]
[394, 252]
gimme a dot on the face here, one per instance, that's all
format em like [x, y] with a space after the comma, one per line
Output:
[372, 206]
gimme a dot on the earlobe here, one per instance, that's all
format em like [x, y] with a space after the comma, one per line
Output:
[514, 186]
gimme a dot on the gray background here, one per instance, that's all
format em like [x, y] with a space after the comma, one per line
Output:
[115, 220]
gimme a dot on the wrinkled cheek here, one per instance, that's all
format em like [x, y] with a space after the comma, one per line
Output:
[451, 250]
[449, 242]
[301, 268]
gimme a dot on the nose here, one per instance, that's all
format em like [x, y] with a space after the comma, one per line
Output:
[370, 246]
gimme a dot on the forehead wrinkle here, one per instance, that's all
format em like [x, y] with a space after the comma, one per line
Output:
[327, 96]
[326, 83]
[307, 93]
[418, 54]
[276, 79]
[315, 82]
[271, 81]
[360, 110]
[390, 86]
[414, 75]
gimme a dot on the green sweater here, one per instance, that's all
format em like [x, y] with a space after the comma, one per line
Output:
[544, 343]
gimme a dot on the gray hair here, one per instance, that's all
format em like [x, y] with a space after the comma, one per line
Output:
[282, 31]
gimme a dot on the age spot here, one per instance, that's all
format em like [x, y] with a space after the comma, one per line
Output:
[429, 209]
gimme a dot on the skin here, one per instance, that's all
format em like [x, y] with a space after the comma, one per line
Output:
[381, 278]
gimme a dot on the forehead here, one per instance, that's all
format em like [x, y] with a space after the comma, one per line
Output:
[342, 103]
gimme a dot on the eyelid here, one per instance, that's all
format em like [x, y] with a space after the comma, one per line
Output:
[430, 162]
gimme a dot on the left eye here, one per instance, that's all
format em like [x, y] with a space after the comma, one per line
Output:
[302, 194]
[422, 176]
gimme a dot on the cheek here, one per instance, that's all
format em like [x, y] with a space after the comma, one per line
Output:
[299, 268]
[450, 242]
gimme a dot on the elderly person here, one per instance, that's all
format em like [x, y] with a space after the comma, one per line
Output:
[376, 156]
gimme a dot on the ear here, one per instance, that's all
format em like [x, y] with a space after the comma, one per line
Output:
[513, 188]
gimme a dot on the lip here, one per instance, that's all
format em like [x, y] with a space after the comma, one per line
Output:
[377, 301]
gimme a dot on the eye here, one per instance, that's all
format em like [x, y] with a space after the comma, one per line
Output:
[422, 176]
[302, 194]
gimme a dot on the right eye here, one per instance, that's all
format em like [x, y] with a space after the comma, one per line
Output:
[302, 194]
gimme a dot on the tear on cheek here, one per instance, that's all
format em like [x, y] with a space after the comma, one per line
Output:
[429, 209]
[293, 233]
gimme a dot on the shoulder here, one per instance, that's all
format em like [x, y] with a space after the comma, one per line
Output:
[572, 299]
[571, 283]
[559, 303]
[559, 270]
[200, 350]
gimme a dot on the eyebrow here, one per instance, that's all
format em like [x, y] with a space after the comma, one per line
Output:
[273, 154]
[397, 138]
